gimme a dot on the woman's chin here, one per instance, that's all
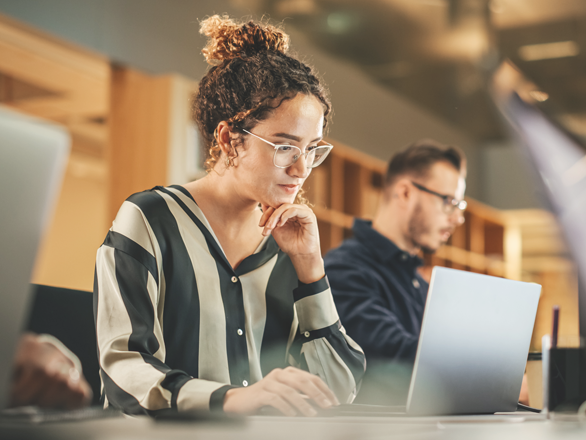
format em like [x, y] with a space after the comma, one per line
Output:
[275, 202]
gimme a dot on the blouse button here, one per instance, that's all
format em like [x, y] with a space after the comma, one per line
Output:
[416, 283]
[234, 279]
[245, 383]
[239, 331]
[306, 334]
[404, 257]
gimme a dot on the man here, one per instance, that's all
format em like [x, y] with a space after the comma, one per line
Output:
[379, 294]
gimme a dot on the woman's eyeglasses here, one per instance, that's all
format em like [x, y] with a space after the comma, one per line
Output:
[287, 155]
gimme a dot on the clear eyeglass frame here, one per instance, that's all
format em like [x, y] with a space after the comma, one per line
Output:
[286, 155]
[449, 203]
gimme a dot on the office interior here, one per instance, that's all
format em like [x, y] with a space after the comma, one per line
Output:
[120, 74]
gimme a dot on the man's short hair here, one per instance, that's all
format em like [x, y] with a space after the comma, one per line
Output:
[419, 157]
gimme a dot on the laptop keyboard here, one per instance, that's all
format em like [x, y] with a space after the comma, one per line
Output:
[35, 415]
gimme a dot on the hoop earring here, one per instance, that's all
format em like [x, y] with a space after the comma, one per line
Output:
[230, 161]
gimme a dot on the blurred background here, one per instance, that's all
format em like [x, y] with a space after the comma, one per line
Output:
[119, 75]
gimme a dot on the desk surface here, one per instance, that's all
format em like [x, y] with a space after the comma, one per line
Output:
[334, 428]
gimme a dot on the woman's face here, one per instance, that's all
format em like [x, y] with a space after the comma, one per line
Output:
[297, 121]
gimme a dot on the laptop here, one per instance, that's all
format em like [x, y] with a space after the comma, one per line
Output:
[473, 345]
[472, 348]
[33, 155]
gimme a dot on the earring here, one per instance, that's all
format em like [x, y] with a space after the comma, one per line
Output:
[227, 162]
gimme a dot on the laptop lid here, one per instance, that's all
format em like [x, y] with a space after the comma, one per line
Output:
[33, 156]
[473, 345]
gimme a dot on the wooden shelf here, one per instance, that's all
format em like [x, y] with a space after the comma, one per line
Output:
[334, 217]
[349, 184]
[475, 262]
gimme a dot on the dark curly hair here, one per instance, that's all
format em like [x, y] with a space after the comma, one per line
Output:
[251, 76]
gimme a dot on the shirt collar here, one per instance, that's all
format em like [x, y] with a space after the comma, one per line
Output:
[266, 250]
[381, 246]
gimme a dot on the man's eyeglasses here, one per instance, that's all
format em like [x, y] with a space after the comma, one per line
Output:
[449, 203]
[287, 155]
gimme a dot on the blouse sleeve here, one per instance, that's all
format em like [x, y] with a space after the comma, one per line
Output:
[321, 345]
[131, 348]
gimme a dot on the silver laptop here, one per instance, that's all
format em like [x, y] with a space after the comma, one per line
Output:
[473, 344]
[472, 349]
[33, 155]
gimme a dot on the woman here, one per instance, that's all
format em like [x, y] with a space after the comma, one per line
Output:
[204, 300]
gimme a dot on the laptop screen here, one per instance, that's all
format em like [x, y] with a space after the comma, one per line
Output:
[33, 155]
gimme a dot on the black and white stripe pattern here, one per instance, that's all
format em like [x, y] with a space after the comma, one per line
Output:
[176, 324]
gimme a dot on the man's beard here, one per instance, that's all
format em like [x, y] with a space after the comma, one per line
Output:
[417, 228]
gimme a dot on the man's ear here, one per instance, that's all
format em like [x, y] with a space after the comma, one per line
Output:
[461, 190]
[402, 190]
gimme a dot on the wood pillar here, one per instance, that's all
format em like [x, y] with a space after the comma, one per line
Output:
[140, 124]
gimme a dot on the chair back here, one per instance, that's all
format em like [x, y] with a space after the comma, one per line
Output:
[68, 315]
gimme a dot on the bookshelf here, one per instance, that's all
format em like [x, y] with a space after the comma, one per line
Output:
[349, 184]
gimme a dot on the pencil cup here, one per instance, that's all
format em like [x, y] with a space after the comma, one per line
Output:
[564, 369]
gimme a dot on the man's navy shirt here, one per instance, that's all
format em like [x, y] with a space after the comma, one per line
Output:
[379, 295]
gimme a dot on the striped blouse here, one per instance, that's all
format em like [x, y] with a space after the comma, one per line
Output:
[177, 326]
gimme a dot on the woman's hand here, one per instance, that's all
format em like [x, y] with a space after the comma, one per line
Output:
[289, 390]
[294, 228]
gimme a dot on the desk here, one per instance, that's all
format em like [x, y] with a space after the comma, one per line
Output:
[332, 428]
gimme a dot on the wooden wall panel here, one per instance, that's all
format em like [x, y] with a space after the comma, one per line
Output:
[79, 79]
[67, 254]
[139, 134]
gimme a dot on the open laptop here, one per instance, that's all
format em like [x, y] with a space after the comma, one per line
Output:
[473, 344]
[33, 156]
[472, 349]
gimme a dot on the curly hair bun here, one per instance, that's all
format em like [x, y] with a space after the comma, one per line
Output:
[227, 39]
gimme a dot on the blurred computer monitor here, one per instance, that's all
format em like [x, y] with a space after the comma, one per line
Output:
[558, 159]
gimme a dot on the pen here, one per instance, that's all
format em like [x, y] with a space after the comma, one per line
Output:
[555, 327]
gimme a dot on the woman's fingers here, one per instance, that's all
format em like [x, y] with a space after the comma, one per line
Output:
[289, 214]
[291, 391]
[324, 389]
[316, 388]
[267, 211]
[279, 217]
[278, 402]
[295, 401]
[310, 385]
[272, 218]
[264, 393]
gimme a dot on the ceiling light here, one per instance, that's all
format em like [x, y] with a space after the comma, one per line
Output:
[496, 6]
[538, 95]
[433, 2]
[560, 49]
[296, 7]
[342, 22]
